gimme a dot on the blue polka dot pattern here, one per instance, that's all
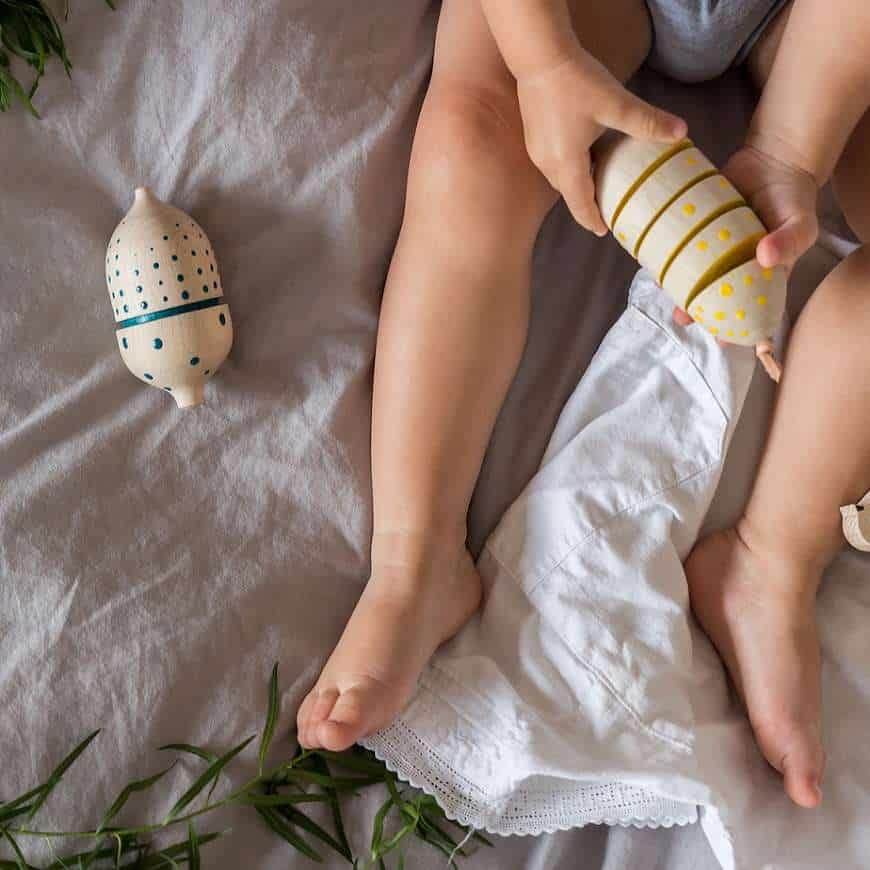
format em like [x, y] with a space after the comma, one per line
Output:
[180, 278]
[205, 288]
[175, 258]
[223, 320]
[124, 342]
[194, 360]
[126, 308]
[143, 304]
[158, 343]
[168, 389]
[139, 289]
[185, 294]
[157, 265]
[150, 377]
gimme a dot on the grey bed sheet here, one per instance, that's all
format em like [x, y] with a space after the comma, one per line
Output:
[155, 563]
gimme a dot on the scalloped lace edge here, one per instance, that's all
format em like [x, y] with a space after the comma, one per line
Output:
[449, 801]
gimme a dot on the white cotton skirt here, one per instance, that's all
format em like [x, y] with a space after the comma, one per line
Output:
[567, 699]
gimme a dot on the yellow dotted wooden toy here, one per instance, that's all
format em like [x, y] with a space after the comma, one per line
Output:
[669, 207]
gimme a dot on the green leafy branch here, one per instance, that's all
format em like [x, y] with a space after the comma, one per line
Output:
[30, 31]
[276, 796]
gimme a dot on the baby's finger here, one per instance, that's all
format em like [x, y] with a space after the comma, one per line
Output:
[784, 246]
[630, 114]
[682, 318]
[578, 189]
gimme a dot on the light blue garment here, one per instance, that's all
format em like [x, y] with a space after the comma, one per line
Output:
[697, 40]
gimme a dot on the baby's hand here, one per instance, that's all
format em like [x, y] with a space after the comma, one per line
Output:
[784, 197]
[565, 108]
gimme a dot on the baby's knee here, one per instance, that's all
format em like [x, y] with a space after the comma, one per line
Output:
[469, 156]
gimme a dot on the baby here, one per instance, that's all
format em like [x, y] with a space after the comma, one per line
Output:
[520, 90]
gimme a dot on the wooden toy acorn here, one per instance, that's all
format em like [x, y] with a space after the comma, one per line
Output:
[174, 326]
[671, 209]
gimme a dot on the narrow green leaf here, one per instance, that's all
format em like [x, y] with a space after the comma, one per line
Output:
[378, 827]
[337, 783]
[198, 751]
[271, 717]
[12, 84]
[139, 785]
[273, 800]
[204, 754]
[205, 779]
[58, 773]
[283, 830]
[356, 759]
[20, 863]
[297, 817]
[10, 812]
[192, 848]
[334, 806]
[397, 838]
[166, 856]
[439, 834]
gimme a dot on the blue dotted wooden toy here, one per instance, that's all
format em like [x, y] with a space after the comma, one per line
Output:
[174, 327]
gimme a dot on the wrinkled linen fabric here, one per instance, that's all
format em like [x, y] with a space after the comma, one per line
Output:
[155, 563]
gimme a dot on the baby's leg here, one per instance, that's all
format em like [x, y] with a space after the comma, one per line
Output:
[452, 329]
[753, 587]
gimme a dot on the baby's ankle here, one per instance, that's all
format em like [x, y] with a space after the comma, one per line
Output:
[791, 567]
[418, 553]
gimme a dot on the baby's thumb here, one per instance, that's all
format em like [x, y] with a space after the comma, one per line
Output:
[634, 116]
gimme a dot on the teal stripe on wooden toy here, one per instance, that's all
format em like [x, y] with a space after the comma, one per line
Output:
[183, 331]
[172, 312]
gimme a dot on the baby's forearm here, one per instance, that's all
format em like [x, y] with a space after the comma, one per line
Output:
[532, 35]
[819, 87]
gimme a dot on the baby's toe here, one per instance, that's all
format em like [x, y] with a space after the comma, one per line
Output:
[352, 717]
[322, 702]
[795, 750]
[802, 767]
[320, 712]
[303, 715]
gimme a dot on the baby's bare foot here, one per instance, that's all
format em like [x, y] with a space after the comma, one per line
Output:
[758, 608]
[404, 614]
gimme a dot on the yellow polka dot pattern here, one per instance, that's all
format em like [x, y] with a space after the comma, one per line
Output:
[738, 313]
[707, 257]
[689, 209]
